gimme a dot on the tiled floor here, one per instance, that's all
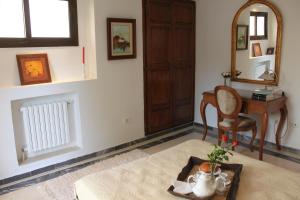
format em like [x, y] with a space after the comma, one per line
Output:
[39, 191]
[245, 151]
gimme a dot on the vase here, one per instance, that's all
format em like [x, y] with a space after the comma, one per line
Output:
[227, 82]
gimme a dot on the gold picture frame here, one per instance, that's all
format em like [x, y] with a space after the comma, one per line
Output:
[277, 50]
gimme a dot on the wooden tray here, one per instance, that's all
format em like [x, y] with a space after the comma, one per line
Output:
[234, 171]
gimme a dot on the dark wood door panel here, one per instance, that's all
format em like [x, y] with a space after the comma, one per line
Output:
[183, 114]
[160, 11]
[159, 100]
[159, 120]
[183, 45]
[184, 62]
[183, 103]
[158, 49]
[183, 84]
[159, 88]
[184, 12]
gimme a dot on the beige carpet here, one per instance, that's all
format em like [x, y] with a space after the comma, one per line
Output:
[61, 188]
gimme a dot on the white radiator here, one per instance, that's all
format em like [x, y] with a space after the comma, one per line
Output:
[46, 126]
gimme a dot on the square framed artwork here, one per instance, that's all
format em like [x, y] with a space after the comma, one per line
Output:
[33, 69]
[242, 37]
[256, 50]
[121, 38]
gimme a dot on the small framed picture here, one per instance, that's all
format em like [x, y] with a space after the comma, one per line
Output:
[256, 50]
[33, 68]
[270, 51]
[242, 37]
[121, 38]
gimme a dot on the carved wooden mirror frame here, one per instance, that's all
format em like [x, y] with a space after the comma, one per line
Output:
[278, 43]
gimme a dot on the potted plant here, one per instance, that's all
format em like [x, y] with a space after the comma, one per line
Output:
[220, 153]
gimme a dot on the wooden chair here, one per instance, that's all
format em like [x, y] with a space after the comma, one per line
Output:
[229, 105]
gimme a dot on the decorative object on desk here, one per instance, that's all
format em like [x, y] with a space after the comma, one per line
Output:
[33, 68]
[227, 77]
[256, 50]
[263, 97]
[270, 51]
[242, 37]
[121, 38]
[267, 94]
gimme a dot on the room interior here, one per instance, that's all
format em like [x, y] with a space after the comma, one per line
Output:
[122, 101]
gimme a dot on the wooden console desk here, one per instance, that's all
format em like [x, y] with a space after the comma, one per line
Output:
[251, 106]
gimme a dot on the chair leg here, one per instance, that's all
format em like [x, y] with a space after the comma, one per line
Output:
[234, 138]
[221, 132]
[254, 132]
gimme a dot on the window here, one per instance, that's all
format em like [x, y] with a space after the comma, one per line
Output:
[37, 23]
[258, 26]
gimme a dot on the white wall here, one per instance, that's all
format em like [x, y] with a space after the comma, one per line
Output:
[104, 102]
[65, 62]
[214, 18]
[118, 91]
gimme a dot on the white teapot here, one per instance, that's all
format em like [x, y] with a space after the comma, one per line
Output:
[203, 184]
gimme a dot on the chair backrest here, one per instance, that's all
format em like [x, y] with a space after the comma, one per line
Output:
[229, 102]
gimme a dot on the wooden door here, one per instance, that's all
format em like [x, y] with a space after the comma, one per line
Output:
[183, 61]
[168, 65]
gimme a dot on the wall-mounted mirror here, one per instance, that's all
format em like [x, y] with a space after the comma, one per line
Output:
[256, 43]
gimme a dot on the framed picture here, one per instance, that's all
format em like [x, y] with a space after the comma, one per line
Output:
[242, 37]
[256, 50]
[121, 38]
[33, 68]
[270, 51]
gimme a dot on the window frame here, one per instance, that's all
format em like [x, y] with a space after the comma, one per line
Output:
[29, 41]
[259, 14]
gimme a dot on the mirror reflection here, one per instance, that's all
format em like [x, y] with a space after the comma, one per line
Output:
[256, 43]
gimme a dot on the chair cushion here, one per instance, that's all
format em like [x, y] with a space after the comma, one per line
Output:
[243, 122]
[227, 102]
